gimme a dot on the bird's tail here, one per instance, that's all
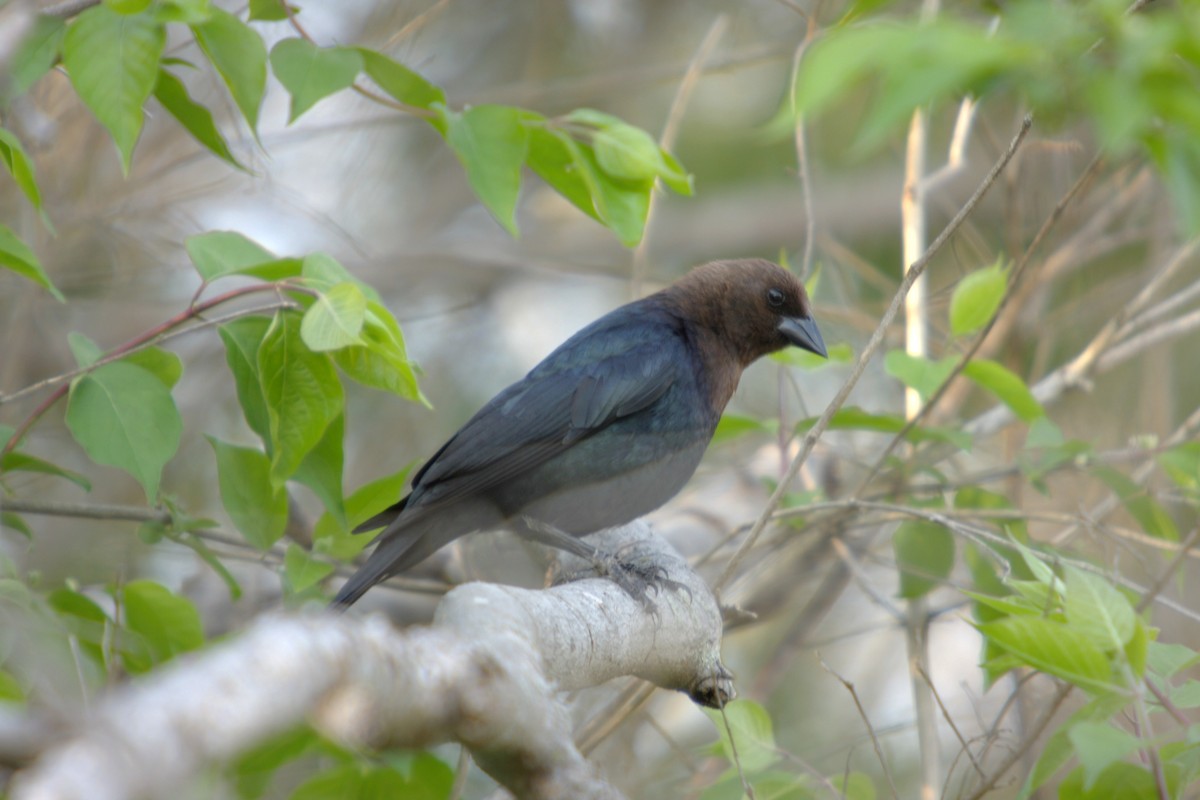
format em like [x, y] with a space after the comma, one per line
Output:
[411, 539]
[397, 551]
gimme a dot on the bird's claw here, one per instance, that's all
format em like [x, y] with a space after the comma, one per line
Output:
[636, 578]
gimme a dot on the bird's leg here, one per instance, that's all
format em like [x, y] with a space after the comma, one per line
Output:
[635, 577]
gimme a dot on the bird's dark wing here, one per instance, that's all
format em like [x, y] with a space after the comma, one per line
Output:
[560, 402]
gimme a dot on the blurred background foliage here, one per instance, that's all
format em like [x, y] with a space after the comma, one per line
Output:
[1108, 475]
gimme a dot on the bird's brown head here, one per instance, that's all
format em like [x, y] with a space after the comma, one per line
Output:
[753, 306]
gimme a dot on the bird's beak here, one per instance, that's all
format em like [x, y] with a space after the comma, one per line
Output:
[802, 332]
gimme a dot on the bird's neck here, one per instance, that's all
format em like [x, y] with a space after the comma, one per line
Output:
[721, 366]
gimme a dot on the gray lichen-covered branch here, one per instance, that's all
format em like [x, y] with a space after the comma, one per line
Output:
[487, 673]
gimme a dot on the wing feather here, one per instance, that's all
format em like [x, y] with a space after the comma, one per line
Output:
[560, 402]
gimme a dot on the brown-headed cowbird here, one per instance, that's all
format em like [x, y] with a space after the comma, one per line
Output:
[607, 428]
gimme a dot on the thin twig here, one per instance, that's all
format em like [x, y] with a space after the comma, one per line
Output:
[873, 345]
[87, 510]
[1164, 577]
[863, 581]
[737, 761]
[1018, 272]
[416, 23]
[150, 338]
[1039, 727]
[862, 712]
[950, 721]
[670, 133]
[801, 143]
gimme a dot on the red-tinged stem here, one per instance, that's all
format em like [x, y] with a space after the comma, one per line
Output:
[145, 339]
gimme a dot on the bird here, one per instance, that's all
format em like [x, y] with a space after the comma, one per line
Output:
[607, 428]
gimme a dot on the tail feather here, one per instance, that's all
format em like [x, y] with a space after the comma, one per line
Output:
[410, 539]
[383, 518]
[396, 552]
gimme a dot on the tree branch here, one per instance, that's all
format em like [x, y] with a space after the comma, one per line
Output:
[486, 674]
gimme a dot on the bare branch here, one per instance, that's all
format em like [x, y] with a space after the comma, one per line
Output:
[872, 346]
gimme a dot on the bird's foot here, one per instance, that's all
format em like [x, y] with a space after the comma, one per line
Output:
[636, 576]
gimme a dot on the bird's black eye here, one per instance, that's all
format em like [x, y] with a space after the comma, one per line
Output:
[775, 297]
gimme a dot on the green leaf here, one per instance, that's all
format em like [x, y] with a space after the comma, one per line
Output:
[753, 734]
[1179, 164]
[1059, 749]
[16, 255]
[491, 142]
[220, 253]
[85, 621]
[20, 166]
[1187, 695]
[401, 82]
[189, 12]
[976, 298]
[1119, 781]
[554, 157]
[841, 353]
[10, 689]
[311, 73]
[1006, 385]
[1182, 465]
[13, 522]
[268, 10]
[1054, 648]
[197, 546]
[162, 364]
[301, 570]
[336, 318]
[166, 625]
[731, 426]
[770, 784]
[1098, 611]
[593, 118]
[918, 372]
[924, 556]
[321, 469]
[854, 418]
[1042, 572]
[1149, 513]
[572, 169]
[252, 770]
[1168, 658]
[22, 462]
[85, 351]
[332, 537]
[195, 118]
[302, 393]
[628, 153]
[382, 363]
[623, 206]
[113, 63]
[242, 339]
[258, 509]
[124, 416]
[37, 53]
[1044, 433]
[677, 179]
[128, 6]
[239, 55]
